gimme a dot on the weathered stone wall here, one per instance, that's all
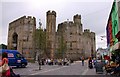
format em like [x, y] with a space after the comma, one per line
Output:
[51, 32]
[78, 43]
[24, 28]
[89, 44]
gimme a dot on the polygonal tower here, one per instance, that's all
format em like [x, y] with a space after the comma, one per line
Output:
[50, 33]
[93, 46]
[77, 22]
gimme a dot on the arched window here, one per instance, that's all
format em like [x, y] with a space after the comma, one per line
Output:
[14, 40]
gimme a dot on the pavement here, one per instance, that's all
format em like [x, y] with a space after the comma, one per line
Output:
[74, 69]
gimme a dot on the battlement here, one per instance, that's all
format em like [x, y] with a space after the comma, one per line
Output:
[70, 22]
[30, 18]
[87, 30]
[51, 13]
[93, 33]
[77, 16]
[22, 19]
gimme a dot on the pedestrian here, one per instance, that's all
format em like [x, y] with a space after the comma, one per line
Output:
[116, 70]
[12, 73]
[4, 65]
[82, 61]
[39, 62]
[90, 63]
[94, 61]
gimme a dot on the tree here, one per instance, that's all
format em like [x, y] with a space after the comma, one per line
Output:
[3, 46]
[61, 51]
[40, 41]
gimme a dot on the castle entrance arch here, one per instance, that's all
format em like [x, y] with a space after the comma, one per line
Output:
[14, 40]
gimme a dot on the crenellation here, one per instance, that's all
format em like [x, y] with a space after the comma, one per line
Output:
[77, 41]
[68, 22]
[20, 27]
[30, 18]
[51, 32]
[87, 30]
[77, 16]
[93, 33]
[51, 13]
[75, 38]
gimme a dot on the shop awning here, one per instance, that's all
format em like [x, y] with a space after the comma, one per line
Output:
[116, 46]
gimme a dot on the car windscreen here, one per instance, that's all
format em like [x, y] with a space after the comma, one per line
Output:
[19, 55]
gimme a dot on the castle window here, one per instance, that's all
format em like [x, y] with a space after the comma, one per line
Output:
[70, 33]
[71, 44]
[28, 22]
[79, 33]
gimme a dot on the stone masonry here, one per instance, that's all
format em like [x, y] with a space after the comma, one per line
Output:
[20, 35]
[78, 42]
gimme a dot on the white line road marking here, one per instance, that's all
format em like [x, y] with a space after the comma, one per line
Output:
[52, 69]
[85, 71]
[48, 70]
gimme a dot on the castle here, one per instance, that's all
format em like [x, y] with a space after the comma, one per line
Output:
[20, 35]
[75, 41]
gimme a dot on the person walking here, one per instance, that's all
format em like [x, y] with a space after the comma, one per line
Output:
[4, 65]
[82, 61]
[90, 63]
[39, 61]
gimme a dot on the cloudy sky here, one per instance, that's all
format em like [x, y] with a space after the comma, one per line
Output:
[94, 14]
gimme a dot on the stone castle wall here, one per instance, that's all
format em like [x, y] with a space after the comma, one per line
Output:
[78, 42]
[51, 32]
[22, 30]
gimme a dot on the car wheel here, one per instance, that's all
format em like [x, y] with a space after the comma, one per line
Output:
[17, 66]
[23, 65]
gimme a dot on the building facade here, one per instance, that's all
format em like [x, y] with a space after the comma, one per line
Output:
[20, 35]
[68, 41]
[51, 32]
[78, 43]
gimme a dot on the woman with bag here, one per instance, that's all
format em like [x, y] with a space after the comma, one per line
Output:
[4, 65]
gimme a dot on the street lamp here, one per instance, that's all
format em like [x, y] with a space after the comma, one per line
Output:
[108, 46]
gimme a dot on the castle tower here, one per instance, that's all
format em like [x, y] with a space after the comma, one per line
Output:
[51, 32]
[77, 22]
[20, 35]
[93, 45]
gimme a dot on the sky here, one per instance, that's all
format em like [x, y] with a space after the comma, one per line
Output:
[94, 14]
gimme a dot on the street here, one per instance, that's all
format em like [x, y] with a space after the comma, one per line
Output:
[74, 69]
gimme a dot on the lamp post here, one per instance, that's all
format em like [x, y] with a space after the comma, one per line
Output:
[108, 47]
